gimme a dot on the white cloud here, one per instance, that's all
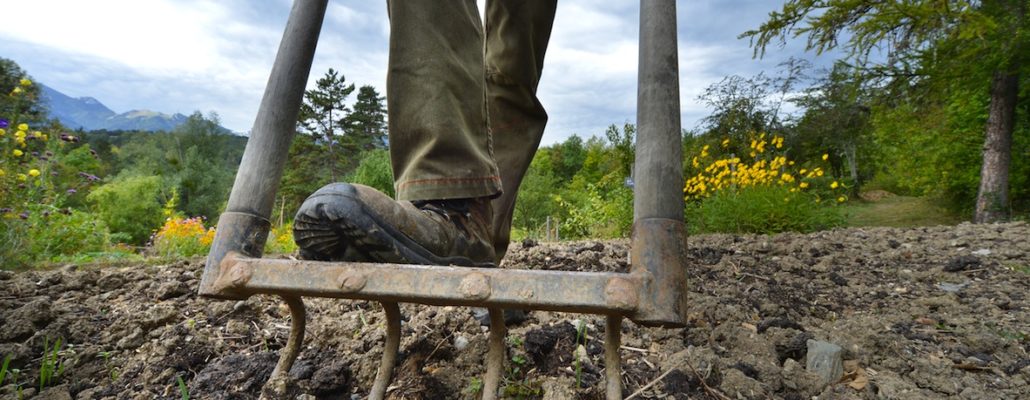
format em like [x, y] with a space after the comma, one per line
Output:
[186, 55]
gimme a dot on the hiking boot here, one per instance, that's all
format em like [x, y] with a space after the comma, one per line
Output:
[352, 222]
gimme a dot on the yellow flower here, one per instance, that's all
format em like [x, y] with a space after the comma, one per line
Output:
[818, 172]
[17, 153]
[834, 185]
[2, 132]
[803, 185]
[23, 127]
[33, 172]
[16, 91]
[825, 157]
[22, 177]
[37, 134]
[841, 199]
[725, 143]
[25, 82]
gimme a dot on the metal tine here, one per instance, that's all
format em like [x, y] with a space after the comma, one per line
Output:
[612, 360]
[495, 355]
[276, 385]
[393, 342]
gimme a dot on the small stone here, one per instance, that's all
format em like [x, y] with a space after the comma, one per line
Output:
[961, 263]
[460, 343]
[982, 252]
[172, 289]
[826, 360]
[952, 287]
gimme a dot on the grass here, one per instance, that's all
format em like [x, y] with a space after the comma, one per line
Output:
[52, 366]
[899, 212]
[581, 336]
[184, 392]
[3, 369]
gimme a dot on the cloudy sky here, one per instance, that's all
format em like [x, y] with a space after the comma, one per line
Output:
[186, 55]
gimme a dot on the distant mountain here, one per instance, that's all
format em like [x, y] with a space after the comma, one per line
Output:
[90, 114]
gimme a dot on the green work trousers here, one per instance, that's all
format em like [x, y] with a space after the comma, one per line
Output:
[464, 118]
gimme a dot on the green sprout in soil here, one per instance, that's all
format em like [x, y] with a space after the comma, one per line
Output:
[581, 336]
[183, 390]
[112, 371]
[3, 369]
[52, 366]
[475, 386]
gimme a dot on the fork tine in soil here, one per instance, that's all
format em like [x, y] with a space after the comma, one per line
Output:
[276, 385]
[612, 360]
[393, 341]
[495, 354]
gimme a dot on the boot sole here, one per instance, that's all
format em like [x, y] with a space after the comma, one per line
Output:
[367, 233]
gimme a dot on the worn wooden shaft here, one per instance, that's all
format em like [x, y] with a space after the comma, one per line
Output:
[244, 226]
[658, 172]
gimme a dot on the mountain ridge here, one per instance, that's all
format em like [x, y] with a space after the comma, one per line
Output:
[91, 114]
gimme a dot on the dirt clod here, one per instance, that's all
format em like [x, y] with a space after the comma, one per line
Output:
[923, 316]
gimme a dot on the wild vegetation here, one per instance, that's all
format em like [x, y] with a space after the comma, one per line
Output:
[925, 104]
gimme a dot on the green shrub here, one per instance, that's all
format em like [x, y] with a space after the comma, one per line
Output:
[130, 205]
[603, 211]
[374, 170]
[762, 209]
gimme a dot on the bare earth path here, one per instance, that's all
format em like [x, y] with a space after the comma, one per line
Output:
[925, 313]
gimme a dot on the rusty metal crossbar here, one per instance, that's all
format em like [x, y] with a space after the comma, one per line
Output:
[653, 293]
[595, 293]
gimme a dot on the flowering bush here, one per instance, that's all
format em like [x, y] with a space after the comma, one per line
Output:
[34, 187]
[280, 240]
[763, 167]
[183, 237]
[763, 192]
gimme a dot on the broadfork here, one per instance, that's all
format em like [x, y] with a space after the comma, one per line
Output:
[653, 293]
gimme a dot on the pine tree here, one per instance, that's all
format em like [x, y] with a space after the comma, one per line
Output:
[324, 115]
[366, 125]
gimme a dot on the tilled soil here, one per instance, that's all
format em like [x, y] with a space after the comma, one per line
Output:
[925, 313]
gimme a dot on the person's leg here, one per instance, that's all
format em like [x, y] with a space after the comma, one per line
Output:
[517, 33]
[440, 148]
[439, 140]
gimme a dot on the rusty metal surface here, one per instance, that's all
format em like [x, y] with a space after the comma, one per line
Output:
[584, 292]
[658, 257]
[495, 354]
[612, 359]
[276, 386]
[237, 232]
[390, 348]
